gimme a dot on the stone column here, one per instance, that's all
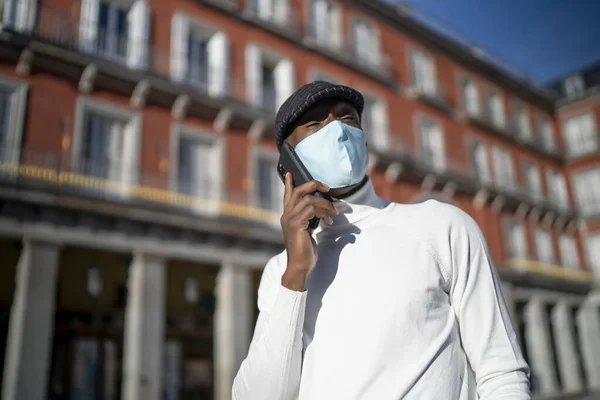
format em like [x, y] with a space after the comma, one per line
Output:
[144, 329]
[539, 344]
[568, 357]
[588, 320]
[233, 325]
[31, 326]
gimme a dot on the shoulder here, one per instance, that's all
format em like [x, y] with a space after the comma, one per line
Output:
[449, 232]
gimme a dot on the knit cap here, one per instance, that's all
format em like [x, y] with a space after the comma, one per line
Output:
[303, 98]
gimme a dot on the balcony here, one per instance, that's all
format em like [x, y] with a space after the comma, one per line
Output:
[437, 97]
[98, 180]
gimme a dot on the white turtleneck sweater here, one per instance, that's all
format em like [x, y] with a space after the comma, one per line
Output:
[403, 303]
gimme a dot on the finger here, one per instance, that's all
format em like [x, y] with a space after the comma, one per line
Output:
[317, 201]
[289, 188]
[307, 188]
[311, 211]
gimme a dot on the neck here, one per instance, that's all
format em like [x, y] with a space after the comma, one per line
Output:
[358, 203]
[342, 193]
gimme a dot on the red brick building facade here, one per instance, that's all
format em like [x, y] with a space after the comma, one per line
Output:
[151, 121]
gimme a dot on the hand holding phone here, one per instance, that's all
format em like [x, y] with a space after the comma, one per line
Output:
[303, 205]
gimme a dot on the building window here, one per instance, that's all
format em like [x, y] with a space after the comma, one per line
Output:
[587, 191]
[593, 253]
[568, 251]
[516, 240]
[268, 188]
[504, 170]
[557, 188]
[276, 11]
[107, 144]
[544, 246]
[546, 130]
[18, 14]
[326, 23]
[116, 29]
[270, 78]
[374, 122]
[581, 135]
[480, 161]
[432, 146]
[574, 86]
[470, 97]
[533, 180]
[424, 73]
[366, 43]
[522, 122]
[198, 172]
[13, 98]
[199, 55]
[495, 109]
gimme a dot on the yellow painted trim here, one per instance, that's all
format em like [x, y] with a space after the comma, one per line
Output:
[65, 178]
[554, 271]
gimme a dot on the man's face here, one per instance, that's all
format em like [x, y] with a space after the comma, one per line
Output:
[319, 115]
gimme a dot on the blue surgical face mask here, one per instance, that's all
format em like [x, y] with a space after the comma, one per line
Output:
[335, 155]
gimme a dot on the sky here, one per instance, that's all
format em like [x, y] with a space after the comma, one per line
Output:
[544, 39]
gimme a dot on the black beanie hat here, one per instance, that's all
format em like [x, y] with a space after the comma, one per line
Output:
[306, 96]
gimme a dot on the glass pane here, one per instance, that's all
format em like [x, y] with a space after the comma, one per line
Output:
[85, 370]
[121, 32]
[186, 172]
[264, 177]
[5, 106]
[269, 88]
[197, 61]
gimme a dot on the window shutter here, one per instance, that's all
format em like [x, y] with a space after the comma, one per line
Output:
[380, 136]
[439, 148]
[335, 19]
[138, 36]
[179, 47]
[320, 20]
[218, 64]
[568, 252]
[88, 25]
[116, 162]
[132, 139]
[254, 78]
[265, 9]
[430, 84]
[281, 12]
[285, 80]
[593, 251]
[24, 14]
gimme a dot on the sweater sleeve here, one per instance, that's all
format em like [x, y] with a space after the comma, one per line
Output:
[271, 371]
[486, 331]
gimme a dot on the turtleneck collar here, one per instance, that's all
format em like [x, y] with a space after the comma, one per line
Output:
[355, 207]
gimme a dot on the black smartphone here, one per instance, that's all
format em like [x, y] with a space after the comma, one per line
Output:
[290, 162]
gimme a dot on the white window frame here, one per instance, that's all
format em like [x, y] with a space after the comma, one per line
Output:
[574, 86]
[579, 142]
[592, 245]
[485, 176]
[535, 188]
[217, 166]
[440, 163]
[511, 251]
[23, 11]
[218, 48]
[284, 71]
[272, 156]
[547, 133]
[132, 144]
[522, 120]
[543, 234]
[569, 255]
[138, 17]
[473, 110]
[425, 79]
[502, 158]
[556, 184]
[274, 11]
[378, 137]
[369, 54]
[332, 17]
[586, 185]
[497, 120]
[16, 124]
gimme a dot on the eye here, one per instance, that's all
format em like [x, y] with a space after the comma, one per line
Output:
[348, 118]
[313, 124]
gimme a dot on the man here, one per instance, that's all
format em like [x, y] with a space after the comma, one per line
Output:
[383, 301]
